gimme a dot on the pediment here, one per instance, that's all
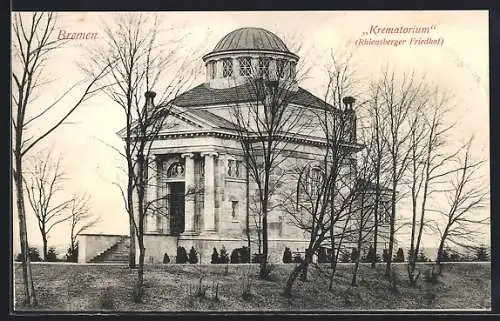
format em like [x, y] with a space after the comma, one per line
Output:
[175, 123]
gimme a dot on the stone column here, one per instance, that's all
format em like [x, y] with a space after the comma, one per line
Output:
[209, 191]
[189, 207]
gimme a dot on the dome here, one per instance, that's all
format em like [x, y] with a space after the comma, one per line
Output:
[247, 52]
[250, 39]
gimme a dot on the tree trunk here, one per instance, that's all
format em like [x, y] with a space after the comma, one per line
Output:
[307, 260]
[29, 289]
[355, 272]
[333, 259]
[440, 250]
[291, 279]
[45, 244]
[392, 229]
[140, 273]
[375, 216]
[247, 222]
[263, 265]
[358, 245]
[131, 250]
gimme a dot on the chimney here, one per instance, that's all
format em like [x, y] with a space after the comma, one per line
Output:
[150, 96]
[350, 117]
[348, 102]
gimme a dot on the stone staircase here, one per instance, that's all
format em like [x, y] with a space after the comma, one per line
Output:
[118, 253]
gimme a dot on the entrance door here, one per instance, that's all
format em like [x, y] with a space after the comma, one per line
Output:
[176, 208]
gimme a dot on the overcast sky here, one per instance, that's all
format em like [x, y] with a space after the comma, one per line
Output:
[459, 65]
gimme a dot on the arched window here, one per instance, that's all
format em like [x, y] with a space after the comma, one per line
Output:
[245, 66]
[227, 67]
[316, 179]
[311, 180]
[176, 170]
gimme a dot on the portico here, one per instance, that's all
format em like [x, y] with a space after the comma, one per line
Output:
[185, 192]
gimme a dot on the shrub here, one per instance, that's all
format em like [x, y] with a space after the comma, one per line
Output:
[193, 256]
[385, 255]
[297, 258]
[482, 254]
[306, 256]
[287, 256]
[72, 254]
[455, 257]
[166, 258]
[444, 256]
[181, 255]
[235, 256]
[400, 256]
[345, 258]
[322, 257]
[421, 257]
[244, 255]
[223, 257]
[215, 257]
[51, 255]
[33, 254]
[240, 255]
[354, 254]
[370, 256]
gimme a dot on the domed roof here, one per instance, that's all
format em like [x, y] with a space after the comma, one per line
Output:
[251, 39]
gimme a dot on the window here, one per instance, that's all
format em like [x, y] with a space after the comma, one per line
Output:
[234, 209]
[264, 67]
[245, 66]
[316, 176]
[237, 169]
[233, 168]
[212, 69]
[227, 67]
[280, 68]
[230, 167]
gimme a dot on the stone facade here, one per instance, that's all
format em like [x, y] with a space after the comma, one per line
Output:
[203, 193]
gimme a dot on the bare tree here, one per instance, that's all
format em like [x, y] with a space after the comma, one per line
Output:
[400, 100]
[375, 120]
[140, 61]
[466, 194]
[43, 186]
[33, 45]
[363, 207]
[267, 127]
[81, 219]
[321, 204]
[428, 164]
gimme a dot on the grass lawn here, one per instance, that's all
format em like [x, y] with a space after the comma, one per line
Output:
[65, 287]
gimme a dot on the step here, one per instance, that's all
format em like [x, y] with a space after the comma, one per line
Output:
[113, 259]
